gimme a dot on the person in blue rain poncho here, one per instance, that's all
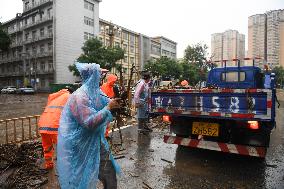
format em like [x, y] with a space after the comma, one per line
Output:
[83, 153]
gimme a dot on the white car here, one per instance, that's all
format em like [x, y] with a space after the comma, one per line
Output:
[9, 89]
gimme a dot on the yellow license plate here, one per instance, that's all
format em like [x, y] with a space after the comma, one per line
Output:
[207, 129]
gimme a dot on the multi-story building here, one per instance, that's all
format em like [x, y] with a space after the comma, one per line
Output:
[257, 38]
[227, 46]
[274, 33]
[46, 38]
[114, 35]
[156, 47]
[138, 48]
[266, 38]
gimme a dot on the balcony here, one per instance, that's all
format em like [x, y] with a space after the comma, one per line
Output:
[18, 29]
[16, 44]
[36, 5]
[43, 20]
[10, 59]
[38, 38]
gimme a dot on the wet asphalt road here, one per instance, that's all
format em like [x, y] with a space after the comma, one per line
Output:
[185, 167]
[197, 168]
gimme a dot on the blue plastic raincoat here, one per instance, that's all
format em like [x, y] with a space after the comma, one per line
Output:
[81, 132]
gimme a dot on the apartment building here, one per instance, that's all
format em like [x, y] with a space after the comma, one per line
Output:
[266, 38]
[257, 38]
[227, 46]
[274, 34]
[115, 35]
[46, 38]
[156, 47]
[138, 48]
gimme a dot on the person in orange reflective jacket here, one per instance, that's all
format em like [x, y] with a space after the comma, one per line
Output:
[107, 88]
[49, 123]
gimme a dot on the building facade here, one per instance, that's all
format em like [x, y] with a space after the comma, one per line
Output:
[46, 38]
[257, 38]
[114, 35]
[265, 38]
[227, 46]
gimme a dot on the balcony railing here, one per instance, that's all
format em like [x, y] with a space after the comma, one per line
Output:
[38, 38]
[45, 19]
[36, 4]
[16, 44]
[11, 59]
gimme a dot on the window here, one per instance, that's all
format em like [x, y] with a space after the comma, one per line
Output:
[49, 29]
[42, 66]
[41, 32]
[89, 6]
[88, 21]
[117, 44]
[33, 19]
[132, 49]
[27, 36]
[125, 59]
[41, 47]
[49, 46]
[34, 50]
[233, 76]
[49, 12]
[33, 34]
[50, 65]
[27, 5]
[125, 36]
[131, 60]
[86, 35]
[125, 47]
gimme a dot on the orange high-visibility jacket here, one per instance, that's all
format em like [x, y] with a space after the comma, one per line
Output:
[49, 120]
[107, 87]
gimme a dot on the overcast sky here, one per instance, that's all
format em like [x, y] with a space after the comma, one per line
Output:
[184, 21]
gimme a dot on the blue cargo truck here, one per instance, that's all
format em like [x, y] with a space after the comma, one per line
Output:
[234, 113]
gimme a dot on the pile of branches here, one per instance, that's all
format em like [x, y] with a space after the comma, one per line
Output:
[19, 166]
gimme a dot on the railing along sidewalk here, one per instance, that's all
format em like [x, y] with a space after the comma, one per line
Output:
[16, 130]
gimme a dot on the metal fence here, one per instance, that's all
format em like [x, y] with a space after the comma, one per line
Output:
[20, 129]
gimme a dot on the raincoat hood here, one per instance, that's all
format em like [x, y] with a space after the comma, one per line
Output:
[111, 79]
[90, 74]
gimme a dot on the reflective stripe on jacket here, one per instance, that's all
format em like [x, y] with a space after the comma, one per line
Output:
[49, 120]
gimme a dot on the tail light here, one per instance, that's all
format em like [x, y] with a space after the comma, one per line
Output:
[253, 125]
[166, 118]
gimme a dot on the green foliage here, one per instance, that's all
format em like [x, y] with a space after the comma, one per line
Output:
[5, 39]
[196, 53]
[194, 64]
[193, 67]
[279, 75]
[164, 67]
[95, 52]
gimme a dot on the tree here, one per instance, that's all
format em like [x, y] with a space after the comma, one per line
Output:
[5, 39]
[164, 67]
[194, 64]
[279, 76]
[95, 52]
